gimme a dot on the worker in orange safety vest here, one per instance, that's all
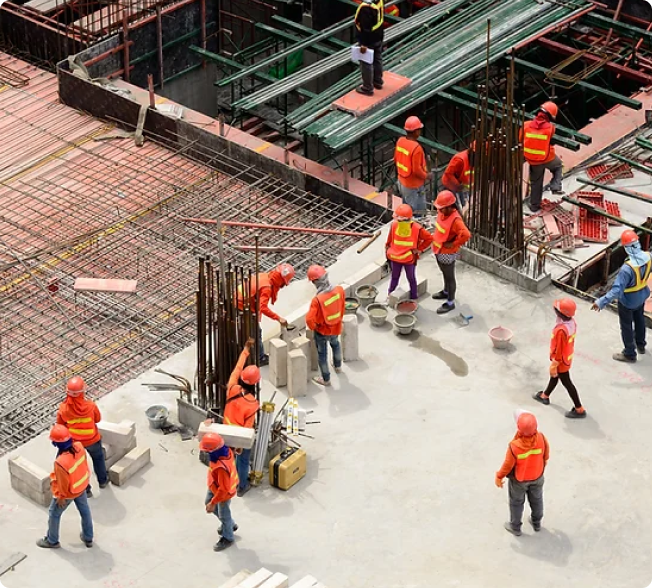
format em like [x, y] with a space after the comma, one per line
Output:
[266, 286]
[540, 154]
[411, 168]
[458, 176]
[562, 349]
[222, 482]
[525, 461]
[406, 240]
[324, 318]
[449, 235]
[68, 482]
[81, 415]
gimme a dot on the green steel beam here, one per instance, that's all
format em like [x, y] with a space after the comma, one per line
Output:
[427, 142]
[620, 191]
[303, 29]
[642, 142]
[630, 31]
[632, 163]
[319, 48]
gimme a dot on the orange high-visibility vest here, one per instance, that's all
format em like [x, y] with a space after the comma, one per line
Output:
[240, 407]
[404, 237]
[642, 274]
[229, 466]
[76, 466]
[570, 328]
[332, 305]
[467, 173]
[405, 148]
[263, 282]
[443, 230]
[81, 429]
[536, 142]
[529, 463]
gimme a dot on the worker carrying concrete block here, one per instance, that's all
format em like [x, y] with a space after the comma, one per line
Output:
[222, 486]
[81, 415]
[324, 318]
[69, 481]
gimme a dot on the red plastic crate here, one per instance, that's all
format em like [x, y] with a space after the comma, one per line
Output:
[592, 227]
[608, 174]
[612, 208]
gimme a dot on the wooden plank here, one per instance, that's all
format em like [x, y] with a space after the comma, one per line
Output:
[305, 582]
[256, 579]
[101, 285]
[235, 580]
[13, 560]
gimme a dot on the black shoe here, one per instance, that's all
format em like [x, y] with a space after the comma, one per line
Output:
[512, 530]
[379, 86]
[536, 527]
[221, 530]
[89, 492]
[46, 544]
[623, 357]
[441, 295]
[539, 398]
[264, 360]
[535, 209]
[243, 491]
[573, 414]
[222, 544]
[102, 486]
[364, 92]
[641, 349]
[558, 192]
[444, 308]
[88, 544]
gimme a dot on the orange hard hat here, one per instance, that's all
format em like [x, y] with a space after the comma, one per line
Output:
[628, 237]
[76, 386]
[315, 272]
[403, 211]
[527, 424]
[413, 123]
[59, 434]
[566, 306]
[550, 108]
[444, 199]
[250, 375]
[211, 442]
[286, 271]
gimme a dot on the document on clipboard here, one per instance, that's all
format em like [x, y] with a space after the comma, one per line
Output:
[357, 56]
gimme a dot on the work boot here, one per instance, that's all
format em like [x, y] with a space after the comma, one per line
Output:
[623, 357]
[512, 530]
[574, 414]
[243, 491]
[540, 398]
[378, 86]
[102, 486]
[319, 380]
[364, 91]
[536, 527]
[88, 544]
[641, 349]
[89, 492]
[222, 544]
[46, 544]
[221, 529]
[338, 370]
[264, 360]
[441, 295]
[446, 307]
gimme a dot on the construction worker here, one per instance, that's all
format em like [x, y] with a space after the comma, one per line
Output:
[406, 240]
[525, 461]
[449, 235]
[81, 415]
[459, 175]
[369, 19]
[562, 345]
[267, 285]
[324, 318]
[68, 481]
[540, 154]
[631, 290]
[222, 484]
[411, 166]
[241, 408]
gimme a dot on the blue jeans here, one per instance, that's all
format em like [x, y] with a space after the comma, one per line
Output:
[415, 197]
[322, 342]
[261, 350]
[223, 512]
[99, 465]
[242, 467]
[55, 512]
[632, 337]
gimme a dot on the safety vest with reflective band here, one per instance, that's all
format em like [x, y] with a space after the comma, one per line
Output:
[536, 142]
[76, 466]
[467, 174]
[443, 230]
[263, 282]
[332, 305]
[380, 9]
[229, 466]
[81, 429]
[403, 153]
[570, 328]
[404, 237]
[240, 407]
[642, 273]
[529, 462]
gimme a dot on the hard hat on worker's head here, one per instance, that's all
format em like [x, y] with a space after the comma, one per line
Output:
[403, 211]
[413, 123]
[315, 272]
[527, 424]
[550, 108]
[286, 271]
[211, 442]
[628, 237]
[59, 434]
[250, 375]
[76, 386]
[566, 306]
[445, 198]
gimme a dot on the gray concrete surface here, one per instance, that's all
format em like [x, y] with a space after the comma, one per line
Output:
[399, 491]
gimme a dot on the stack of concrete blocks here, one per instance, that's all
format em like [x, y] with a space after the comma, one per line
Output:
[30, 480]
[350, 350]
[303, 344]
[297, 373]
[278, 363]
[264, 578]
[124, 458]
[234, 436]
[399, 295]
[313, 360]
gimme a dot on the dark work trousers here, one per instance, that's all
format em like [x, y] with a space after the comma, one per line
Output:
[632, 337]
[517, 493]
[536, 180]
[99, 464]
[372, 75]
[568, 384]
[450, 285]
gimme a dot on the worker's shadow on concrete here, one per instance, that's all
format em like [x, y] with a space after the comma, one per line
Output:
[108, 510]
[93, 564]
[587, 428]
[348, 399]
[548, 545]
[247, 559]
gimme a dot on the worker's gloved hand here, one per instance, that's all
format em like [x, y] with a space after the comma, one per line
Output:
[210, 507]
[283, 322]
[595, 307]
[499, 482]
[363, 49]
[553, 369]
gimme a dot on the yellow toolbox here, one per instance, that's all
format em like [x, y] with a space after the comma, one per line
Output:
[287, 468]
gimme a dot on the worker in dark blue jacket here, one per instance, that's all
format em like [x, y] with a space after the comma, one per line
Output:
[631, 290]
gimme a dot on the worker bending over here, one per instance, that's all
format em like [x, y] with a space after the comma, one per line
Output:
[369, 19]
[411, 168]
[324, 318]
[458, 176]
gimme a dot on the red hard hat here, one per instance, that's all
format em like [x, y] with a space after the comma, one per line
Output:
[315, 272]
[413, 123]
[59, 434]
[250, 375]
[445, 198]
[550, 108]
[628, 237]
[76, 386]
[286, 271]
[566, 306]
[403, 211]
[527, 424]
[211, 442]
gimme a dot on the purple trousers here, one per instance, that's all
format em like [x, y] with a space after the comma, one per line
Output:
[410, 272]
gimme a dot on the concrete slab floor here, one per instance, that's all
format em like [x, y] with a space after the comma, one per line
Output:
[399, 491]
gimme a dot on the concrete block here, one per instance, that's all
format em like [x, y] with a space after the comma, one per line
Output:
[422, 287]
[298, 316]
[397, 296]
[305, 582]
[22, 487]
[278, 362]
[303, 344]
[384, 266]
[34, 476]
[350, 350]
[313, 360]
[236, 437]
[129, 465]
[368, 275]
[235, 580]
[256, 579]
[115, 454]
[277, 580]
[190, 415]
[297, 373]
[119, 435]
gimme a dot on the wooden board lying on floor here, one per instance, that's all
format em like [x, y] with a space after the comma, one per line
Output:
[13, 560]
[101, 285]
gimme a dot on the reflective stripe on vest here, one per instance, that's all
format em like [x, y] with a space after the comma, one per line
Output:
[536, 143]
[380, 11]
[530, 463]
[332, 305]
[467, 173]
[230, 469]
[570, 328]
[328, 303]
[443, 230]
[528, 453]
[403, 155]
[641, 280]
[76, 466]
[400, 249]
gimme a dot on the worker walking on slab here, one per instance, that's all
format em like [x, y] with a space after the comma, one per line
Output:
[562, 349]
[449, 235]
[458, 176]
[406, 240]
[525, 461]
[241, 408]
[411, 167]
[324, 318]
[222, 484]
[68, 481]
[369, 19]
[540, 154]
[266, 286]
[631, 290]
[81, 415]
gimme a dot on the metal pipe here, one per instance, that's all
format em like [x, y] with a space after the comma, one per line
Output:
[159, 43]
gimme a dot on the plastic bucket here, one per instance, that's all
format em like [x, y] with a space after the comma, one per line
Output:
[377, 314]
[407, 307]
[366, 295]
[404, 323]
[157, 416]
[351, 305]
[500, 337]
